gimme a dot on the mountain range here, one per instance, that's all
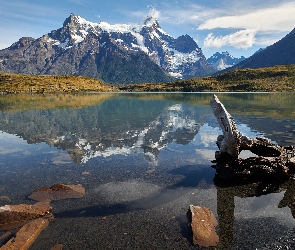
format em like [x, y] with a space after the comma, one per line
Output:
[123, 54]
[116, 54]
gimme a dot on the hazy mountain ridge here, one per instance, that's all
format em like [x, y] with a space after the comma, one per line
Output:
[224, 60]
[113, 53]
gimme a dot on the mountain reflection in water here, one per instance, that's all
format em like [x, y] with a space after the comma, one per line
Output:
[145, 152]
[116, 126]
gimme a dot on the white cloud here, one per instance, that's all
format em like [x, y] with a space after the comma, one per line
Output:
[174, 14]
[276, 18]
[261, 26]
[155, 14]
[243, 39]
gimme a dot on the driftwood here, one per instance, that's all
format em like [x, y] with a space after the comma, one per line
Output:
[272, 161]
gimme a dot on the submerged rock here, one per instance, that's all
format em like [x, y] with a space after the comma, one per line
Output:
[57, 247]
[203, 223]
[26, 235]
[58, 192]
[5, 199]
[34, 218]
[13, 216]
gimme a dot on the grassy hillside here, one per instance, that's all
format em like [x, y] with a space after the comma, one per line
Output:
[16, 83]
[272, 79]
[277, 78]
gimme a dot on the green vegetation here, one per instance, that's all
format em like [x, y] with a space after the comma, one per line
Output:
[271, 79]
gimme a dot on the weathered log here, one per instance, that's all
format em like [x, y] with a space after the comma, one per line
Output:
[230, 141]
[272, 161]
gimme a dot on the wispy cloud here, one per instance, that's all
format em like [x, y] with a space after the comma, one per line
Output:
[20, 18]
[276, 18]
[170, 14]
[154, 13]
[17, 10]
[267, 23]
[243, 39]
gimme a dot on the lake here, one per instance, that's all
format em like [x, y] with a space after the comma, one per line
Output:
[143, 159]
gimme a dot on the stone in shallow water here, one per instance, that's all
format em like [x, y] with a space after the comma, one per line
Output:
[57, 247]
[58, 192]
[13, 216]
[203, 223]
[26, 235]
[5, 198]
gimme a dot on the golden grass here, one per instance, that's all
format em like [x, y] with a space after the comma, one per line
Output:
[272, 79]
[18, 83]
[14, 103]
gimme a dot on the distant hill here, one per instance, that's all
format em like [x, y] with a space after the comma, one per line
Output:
[269, 79]
[280, 53]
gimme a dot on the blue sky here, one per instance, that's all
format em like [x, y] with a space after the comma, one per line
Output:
[239, 27]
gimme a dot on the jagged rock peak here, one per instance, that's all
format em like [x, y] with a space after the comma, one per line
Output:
[72, 20]
[22, 42]
[226, 54]
[151, 21]
[185, 44]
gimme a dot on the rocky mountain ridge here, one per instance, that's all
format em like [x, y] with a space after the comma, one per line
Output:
[116, 54]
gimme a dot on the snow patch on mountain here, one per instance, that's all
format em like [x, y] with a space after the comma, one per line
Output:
[221, 64]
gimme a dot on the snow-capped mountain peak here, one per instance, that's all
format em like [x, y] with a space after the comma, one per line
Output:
[151, 21]
[181, 57]
[86, 48]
